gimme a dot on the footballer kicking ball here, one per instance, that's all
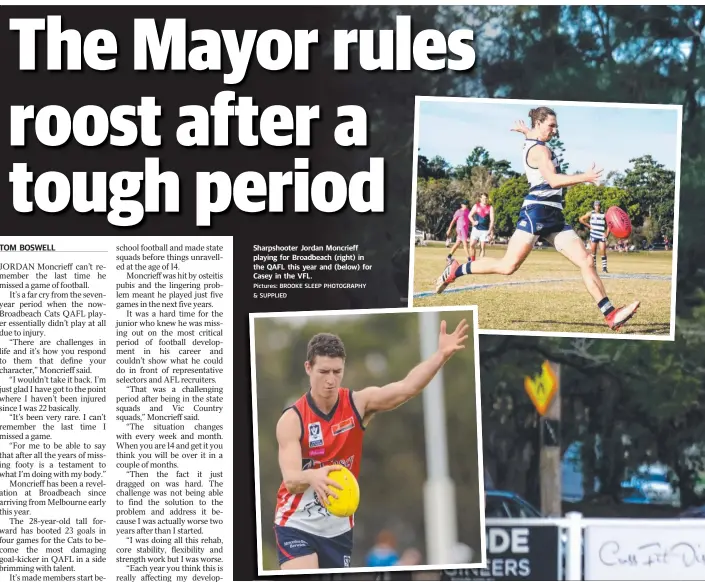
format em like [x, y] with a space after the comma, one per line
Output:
[618, 221]
[348, 496]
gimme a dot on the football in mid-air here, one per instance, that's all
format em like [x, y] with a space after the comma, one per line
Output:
[618, 221]
[348, 496]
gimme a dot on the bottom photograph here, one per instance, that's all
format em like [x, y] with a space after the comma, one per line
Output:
[368, 441]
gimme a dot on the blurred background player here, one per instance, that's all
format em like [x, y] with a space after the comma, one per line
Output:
[599, 231]
[541, 217]
[461, 220]
[322, 431]
[482, 218]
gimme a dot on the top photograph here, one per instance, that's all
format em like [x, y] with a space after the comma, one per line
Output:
[554, 218]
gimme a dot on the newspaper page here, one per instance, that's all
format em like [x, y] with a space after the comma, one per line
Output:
[232, 235]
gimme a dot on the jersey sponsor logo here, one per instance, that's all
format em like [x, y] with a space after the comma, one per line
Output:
[346, 561]
[294, 544]
[315, 435]
[314, 464]
[317, 452]
[345, 425]
[539, 226]
[522, 223]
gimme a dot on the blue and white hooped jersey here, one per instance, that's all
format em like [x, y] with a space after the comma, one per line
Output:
[598, 225]
[540, 192]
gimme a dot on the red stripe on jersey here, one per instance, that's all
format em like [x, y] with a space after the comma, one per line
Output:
[288, 513]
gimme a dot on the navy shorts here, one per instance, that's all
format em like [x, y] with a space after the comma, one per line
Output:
[542, 221]
[597, 239]
[332, 552]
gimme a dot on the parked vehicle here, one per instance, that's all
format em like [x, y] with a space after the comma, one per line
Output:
[649, 484]
[655, 482]
[507, 504]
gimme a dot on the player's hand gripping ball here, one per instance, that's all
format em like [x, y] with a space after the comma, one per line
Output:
[618, 221]
[348, 496]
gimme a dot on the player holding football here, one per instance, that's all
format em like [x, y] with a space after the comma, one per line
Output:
[541, 217]
[323, 431]
[599, 231]
[482, 218]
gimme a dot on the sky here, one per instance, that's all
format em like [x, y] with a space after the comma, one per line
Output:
[608, 136]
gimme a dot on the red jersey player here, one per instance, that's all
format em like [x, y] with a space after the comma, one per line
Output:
[322, 431]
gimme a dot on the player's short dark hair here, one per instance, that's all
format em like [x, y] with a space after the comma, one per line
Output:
[325, 344]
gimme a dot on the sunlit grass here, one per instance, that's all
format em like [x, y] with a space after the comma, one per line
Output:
[562, 306]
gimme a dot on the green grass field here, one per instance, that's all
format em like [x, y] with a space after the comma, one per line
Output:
[526, 301]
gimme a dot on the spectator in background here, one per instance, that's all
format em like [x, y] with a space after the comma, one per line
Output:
[384, 553]
[410, 557]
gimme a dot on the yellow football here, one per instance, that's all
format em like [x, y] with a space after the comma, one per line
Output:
[348, 496]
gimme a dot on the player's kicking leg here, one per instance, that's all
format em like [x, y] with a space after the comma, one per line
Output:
[518, 249]
[570, 246]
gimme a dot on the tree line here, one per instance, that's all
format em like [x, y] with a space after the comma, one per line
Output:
[645, 190]
[629, 403]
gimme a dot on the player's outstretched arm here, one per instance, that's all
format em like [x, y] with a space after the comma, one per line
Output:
[520, 127]
[542, 160]
[380, 399]
[295, 479]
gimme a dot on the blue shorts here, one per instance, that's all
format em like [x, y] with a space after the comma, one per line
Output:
[332, 552]
[597, 239]
[542, 221]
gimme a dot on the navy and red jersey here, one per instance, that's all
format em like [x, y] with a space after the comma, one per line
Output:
[326, 439]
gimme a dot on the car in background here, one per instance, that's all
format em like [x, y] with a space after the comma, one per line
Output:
[649, 484]
[505, 504]
[634, 496]
[655, 483]
[508, 505]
